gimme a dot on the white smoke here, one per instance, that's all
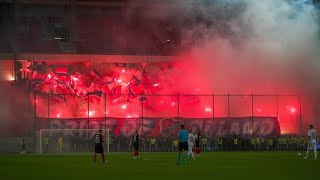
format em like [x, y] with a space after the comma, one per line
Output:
[16, 112]
[272, 43]
[250, 46]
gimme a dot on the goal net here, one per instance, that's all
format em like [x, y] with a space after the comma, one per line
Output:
[70, 140]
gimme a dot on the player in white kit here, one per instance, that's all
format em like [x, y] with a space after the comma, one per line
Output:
[312, 143]
[190, 144]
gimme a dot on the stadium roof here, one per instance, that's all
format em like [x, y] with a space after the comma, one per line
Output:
[83, 2]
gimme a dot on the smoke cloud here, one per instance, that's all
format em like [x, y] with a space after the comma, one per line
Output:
[249, 46]
[16, 112]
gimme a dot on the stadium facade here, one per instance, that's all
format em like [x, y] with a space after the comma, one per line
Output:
[100, 64]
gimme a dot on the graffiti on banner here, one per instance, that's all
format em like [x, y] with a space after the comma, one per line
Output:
[218, 127]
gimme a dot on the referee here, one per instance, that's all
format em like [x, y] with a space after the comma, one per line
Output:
[183, 144]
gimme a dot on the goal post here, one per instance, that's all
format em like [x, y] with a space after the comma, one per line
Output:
[70, 140]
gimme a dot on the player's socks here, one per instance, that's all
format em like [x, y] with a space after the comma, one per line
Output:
[103, 158]
[179, 156]
[192, 155]
[137, 153]
[315, 155]
[197, 151]
[307, 155]
[185, 158]
[94, 158]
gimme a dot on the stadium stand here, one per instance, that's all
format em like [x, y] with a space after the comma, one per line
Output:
[5, 44]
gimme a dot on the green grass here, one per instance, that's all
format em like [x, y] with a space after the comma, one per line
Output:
[153, 166]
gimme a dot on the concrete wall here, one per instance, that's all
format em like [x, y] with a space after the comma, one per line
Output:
[87, 57]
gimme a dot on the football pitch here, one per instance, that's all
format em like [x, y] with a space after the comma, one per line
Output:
[152, 166]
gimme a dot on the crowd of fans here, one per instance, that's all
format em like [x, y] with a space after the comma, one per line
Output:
[169, 144]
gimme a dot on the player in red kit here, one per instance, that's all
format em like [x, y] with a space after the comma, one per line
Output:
[98, 147]
[197, 138]
[135, 140]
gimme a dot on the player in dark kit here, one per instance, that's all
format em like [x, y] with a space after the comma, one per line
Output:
[98, 147]
[135, 140]
[197, 137]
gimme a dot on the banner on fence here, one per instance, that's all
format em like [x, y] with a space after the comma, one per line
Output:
[219, 127]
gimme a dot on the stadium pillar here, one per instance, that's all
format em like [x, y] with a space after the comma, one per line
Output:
[14, 67]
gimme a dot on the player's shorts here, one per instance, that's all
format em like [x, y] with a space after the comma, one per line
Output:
[183, 146]
[98, 148]
[23, 147]
[197, 143]
[136, 146]
[312, 146]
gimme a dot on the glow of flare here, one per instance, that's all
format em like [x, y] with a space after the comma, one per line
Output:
[10, 77]
[207, 109]
[91, 113]
[291, 109]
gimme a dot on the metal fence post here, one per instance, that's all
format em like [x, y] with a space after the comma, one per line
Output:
[35, 121]
[178, 105]
[252, 114]
[142, 132]
[213, 115]
[105, 112]
[48, 106]
[277, 104]
[88, 111]
[300, 116]
[228, 106]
